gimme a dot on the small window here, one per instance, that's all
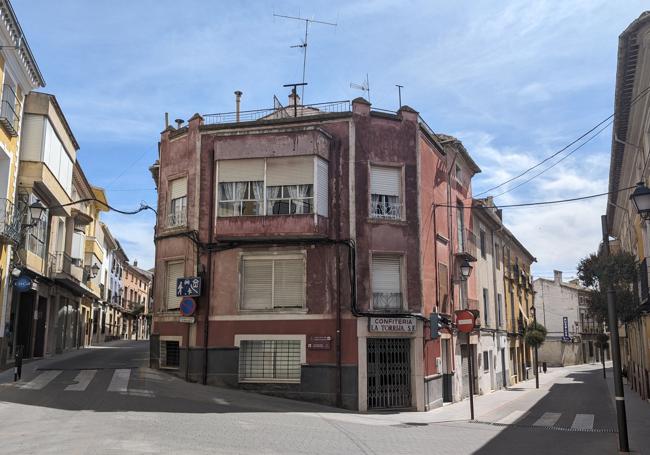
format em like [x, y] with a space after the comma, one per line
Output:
[459, 173]
[486, 361]
[177, 215]
[175, 270]
[386, 276]
[169, 354]
[483, 244]
[486, 307]
[269, 361]
[385, 191]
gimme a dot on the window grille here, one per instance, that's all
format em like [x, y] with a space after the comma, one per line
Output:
[169, 354]
[269, 361]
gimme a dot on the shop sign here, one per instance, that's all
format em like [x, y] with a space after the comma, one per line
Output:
[319, 342]
[23, 283]
[565, 329]
[381, 324]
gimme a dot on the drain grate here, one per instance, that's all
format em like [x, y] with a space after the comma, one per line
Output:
[575, 430]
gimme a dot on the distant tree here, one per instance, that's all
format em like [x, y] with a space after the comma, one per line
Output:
[535, 334]
[597, 273]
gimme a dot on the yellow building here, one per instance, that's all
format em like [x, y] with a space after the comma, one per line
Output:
[20, 75]
[518, 287]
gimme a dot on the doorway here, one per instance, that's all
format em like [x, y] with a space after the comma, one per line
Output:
[41, 317]
[389, 373]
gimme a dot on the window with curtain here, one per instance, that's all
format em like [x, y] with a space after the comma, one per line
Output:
[385, 191]
[270, 283]
[386, 276]
[178, 202]
[241, 198]
[290, 199]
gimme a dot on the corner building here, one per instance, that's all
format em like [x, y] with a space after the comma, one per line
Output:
[325, 239]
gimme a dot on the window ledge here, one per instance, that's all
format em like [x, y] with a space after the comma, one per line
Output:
[269, 381]
[400, 222]
[276, 311]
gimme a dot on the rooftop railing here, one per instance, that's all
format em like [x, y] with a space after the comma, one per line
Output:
[300, 110]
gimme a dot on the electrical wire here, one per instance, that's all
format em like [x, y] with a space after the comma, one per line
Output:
[557, 162]
[608, 118]
[143, 206]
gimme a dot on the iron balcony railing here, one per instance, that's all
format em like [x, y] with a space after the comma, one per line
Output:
[177, 219]
[386, 210]
[467, 244]
[10, 223]
[10, 111]
[301, 110]
[387, 301]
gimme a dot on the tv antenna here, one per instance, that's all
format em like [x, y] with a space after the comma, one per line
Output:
[303, 44]
[365, 86]
[399, 93]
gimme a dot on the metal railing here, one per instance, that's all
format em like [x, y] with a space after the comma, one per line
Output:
[387, 301]
[468, 244]
[176, 219]
[9, 118]
[10, 223]
[386, 210]
[50, 266]
[301, 110]
[63, 262]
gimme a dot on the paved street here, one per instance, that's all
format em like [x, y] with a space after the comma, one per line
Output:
[132, 409]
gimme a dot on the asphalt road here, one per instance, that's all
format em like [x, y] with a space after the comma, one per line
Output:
[105, 400]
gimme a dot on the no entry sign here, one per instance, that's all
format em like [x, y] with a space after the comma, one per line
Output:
[465, 321]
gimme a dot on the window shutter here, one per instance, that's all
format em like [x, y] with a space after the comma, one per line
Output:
[298, 170]
[175, 270]
[248, 170]
[385, 180]
[386, 274]
[322, 179]
[178, 188]
[257, 284]
[289, 283]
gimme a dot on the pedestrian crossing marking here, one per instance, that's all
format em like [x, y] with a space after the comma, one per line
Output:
[548, 419]
[41, 380]
[583, 422]
[82, 380]
[120, 381]
[511, 418]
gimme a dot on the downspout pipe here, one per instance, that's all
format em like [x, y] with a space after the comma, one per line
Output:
[208, 274]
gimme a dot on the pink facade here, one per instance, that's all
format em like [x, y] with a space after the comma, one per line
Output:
[294, 274]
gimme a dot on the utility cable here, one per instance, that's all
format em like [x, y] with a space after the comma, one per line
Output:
[608, 118]
[143, 206]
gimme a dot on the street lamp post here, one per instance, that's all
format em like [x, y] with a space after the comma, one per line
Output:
[534, 311]
[619, 393]
[465, 272]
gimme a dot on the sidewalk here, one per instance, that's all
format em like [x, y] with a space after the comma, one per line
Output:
[638, 416]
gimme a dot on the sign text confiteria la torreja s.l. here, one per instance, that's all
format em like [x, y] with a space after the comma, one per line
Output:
[381, 324]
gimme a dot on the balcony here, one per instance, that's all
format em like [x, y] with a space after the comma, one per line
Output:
[10, 223]
[386, 210]
[10, 111]
[177, 219]
[387, 301]
[69, 267]
[467, 246]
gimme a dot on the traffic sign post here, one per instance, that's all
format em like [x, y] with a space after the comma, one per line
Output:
[465, 323]
[188, 287]
[187, 306]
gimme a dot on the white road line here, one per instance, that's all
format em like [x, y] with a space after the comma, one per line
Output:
[548, 419]
[120, 381]
[82, 380]
[583, 422]
[41, 380]
[511, 418]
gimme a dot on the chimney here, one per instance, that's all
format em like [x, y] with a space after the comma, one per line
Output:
[294, 99]
[238, 95]
[166, 119]
[135, 263]
[557, 274]
[179, 123]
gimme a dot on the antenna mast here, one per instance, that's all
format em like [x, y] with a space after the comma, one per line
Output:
[365, 87]
[303, 45]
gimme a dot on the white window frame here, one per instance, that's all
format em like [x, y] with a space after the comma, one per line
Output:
[273, 257]
[239, 203]
[289, 200]
[169, 262]
[177, 215]
[381, 207]
[264, 337]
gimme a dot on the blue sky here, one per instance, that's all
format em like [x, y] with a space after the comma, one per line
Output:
[515, 81]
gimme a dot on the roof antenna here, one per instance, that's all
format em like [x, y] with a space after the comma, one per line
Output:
[303, 45]
[365, 87]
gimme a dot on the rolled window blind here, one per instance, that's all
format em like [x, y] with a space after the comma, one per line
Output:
[289, 283]
[385, 274]
[247, 170]
[298, 170]
[385, 180]
[175, 270]
[178, 188]
[257, 286]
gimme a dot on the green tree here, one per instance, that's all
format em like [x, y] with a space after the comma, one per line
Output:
[535, 334]
[598, 272]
